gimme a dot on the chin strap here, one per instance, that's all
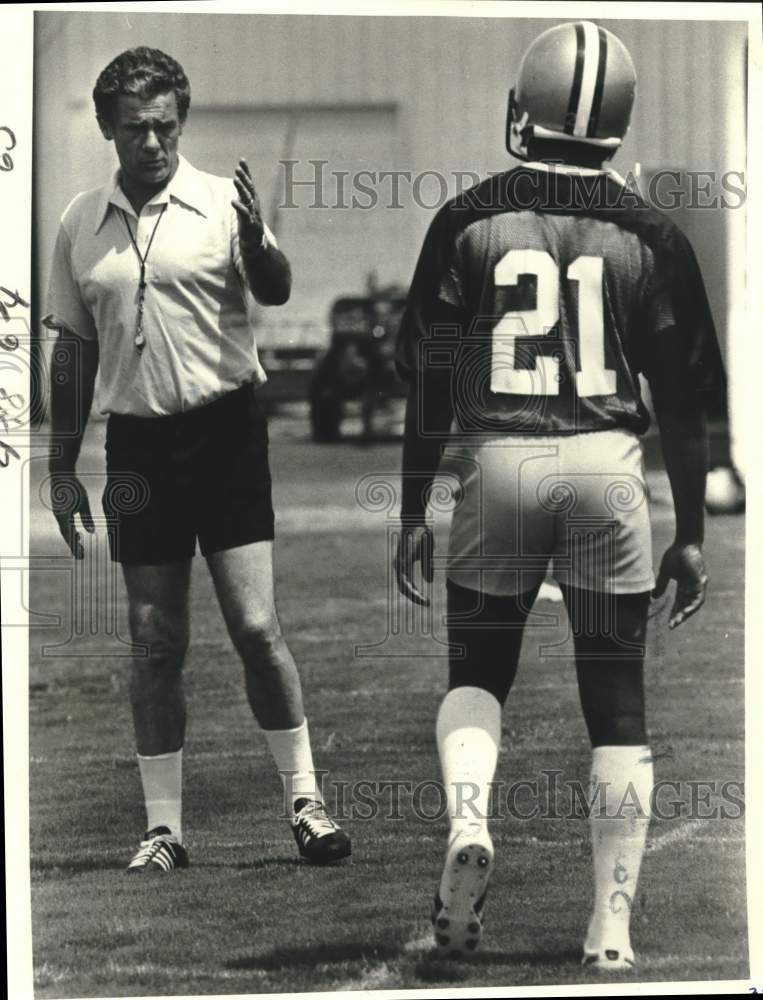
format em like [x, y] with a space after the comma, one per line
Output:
[518, 135]
[516, 140]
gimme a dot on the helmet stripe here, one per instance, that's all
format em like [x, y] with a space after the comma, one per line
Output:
[590, 74]
[577, 80]
[599, 87]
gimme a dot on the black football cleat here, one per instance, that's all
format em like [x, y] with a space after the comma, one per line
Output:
[320, 840]
[159, 851]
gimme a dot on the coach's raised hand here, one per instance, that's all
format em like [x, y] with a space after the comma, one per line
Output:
[267, 270]
[251, 228]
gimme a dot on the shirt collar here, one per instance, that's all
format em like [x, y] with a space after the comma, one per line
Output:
[186, 186]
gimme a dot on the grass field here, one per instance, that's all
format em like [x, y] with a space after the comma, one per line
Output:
[247, 917]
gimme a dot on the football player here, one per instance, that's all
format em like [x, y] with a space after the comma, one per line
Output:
[539, 297]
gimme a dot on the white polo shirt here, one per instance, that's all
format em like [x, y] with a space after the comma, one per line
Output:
[198, 309]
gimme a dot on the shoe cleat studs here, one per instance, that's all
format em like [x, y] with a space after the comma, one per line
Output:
[443, 922]
[463, 888]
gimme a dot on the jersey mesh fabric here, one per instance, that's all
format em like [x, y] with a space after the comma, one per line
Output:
[576, 248]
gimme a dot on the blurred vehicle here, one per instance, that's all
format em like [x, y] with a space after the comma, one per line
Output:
[359, 364]
[290, 370]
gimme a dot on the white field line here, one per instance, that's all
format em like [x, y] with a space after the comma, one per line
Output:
[669, 839]
[376, 977]
[421, 943]
[379, 976]
[152, 969]
[681, 835]
[695, 961]
[677, 835]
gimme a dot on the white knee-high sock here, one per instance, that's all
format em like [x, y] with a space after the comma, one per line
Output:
[162, 779]
[468, 737]
[623, 777]
[294, 759]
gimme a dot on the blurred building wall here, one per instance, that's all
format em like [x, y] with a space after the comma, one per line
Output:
[377, 93]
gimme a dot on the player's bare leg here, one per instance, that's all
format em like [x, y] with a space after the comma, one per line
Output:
[610, 680]
[243, 579]
[468, 739]
[158, 616]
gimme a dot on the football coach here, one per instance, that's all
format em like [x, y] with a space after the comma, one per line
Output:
[154, 279]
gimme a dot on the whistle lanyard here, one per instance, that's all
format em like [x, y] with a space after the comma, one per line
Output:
[140, 340]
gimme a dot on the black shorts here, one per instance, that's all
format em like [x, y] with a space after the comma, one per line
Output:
[200, 474]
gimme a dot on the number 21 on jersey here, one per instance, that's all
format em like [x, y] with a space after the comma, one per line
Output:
[543, 378]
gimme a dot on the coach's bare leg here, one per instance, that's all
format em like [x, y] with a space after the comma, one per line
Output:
[243, 579]
[158, 614]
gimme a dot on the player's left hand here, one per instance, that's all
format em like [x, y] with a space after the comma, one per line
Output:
[686, 565]
[247, 205]
[415, 544]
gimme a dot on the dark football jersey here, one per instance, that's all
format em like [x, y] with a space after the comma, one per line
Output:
[542, 293]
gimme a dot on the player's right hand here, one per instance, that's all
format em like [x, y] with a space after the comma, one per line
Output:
[686, 565]
[415, 544]
[68, 497]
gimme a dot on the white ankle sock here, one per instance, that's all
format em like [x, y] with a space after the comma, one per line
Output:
[162, 778]
[619, 822]
[294, 759]
[468, 737]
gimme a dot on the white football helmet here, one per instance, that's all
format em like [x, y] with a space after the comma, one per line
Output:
[576, 83]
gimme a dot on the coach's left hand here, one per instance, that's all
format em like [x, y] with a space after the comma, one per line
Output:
[686, 565]
[247, 205]
[415, 544]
